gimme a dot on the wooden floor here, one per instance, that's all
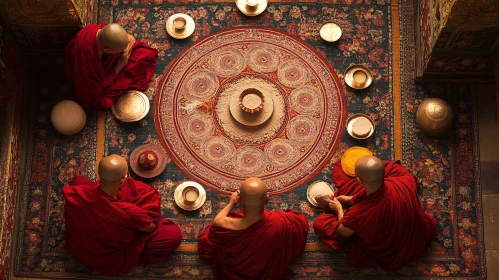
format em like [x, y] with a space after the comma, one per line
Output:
[488, 122]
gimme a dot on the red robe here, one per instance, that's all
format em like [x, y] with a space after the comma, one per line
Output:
[264, 250]
[390, 226]
[93, 80]
[102, 231]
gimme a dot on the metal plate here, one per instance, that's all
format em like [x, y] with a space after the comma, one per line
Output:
[179, 198]
[186, 32]
[251, 11]
[350, 122]
[330, 32]
[131, 107]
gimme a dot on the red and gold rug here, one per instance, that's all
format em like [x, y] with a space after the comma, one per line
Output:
[447, 166]
[192, 109]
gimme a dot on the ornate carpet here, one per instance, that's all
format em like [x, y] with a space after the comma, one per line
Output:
[375, 34]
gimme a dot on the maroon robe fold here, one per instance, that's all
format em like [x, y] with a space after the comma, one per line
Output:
[264, 250]
[102, 231]
[390, 226]
[93, 81]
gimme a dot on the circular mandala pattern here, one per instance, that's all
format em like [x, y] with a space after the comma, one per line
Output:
[228, 63]
[292, 73]
[263, 60]
[194, 121]
[280, 153]
[306, 100]
[302, 129]
[218, 149]
[200, 84]
[249, 161]
[198, 126]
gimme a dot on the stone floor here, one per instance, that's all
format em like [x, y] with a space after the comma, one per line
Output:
[488, 122]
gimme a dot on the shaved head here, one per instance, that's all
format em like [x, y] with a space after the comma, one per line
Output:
[253, 192]
[371, 171]
[113, 168]
[113, 37]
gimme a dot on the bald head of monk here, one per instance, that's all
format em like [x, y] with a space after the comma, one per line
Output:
[253, 193]
[112, 38]
[113, 171]
[371, 172]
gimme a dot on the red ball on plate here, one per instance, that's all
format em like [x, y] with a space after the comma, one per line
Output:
[148, 160]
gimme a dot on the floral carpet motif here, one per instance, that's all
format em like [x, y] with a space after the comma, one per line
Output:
[199, 94]
[447, 166]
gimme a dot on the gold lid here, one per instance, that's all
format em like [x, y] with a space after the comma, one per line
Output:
[358, 77]
[180, 200]
[330, 32]
[351, 120]
[131, 106]
[251, 7]
[173, 27]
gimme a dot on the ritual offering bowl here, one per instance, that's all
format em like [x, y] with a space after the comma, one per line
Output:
[360, 126]
[330, 32]
[131, 106]
[434, 116]
[358, 77]
[317, 189]
[251, 108]
[180, 26]
[68, 117]
[190, 196]
[251, 7]
[148, 160]
[251, 100]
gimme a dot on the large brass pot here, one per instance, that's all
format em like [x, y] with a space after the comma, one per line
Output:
[434, 116]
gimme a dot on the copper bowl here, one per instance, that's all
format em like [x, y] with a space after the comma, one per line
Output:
[256, 94]
[434, 116]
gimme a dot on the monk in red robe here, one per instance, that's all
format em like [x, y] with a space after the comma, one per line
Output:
[385, 224]
[115, 223]
[102, 62]
[253, 243]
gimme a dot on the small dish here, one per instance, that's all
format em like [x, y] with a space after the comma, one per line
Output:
[358, 77]
[180, 26]
[365, 126]
[251, 7]
[330, 32]
[131, 106]
[185, 195]
[319, 187]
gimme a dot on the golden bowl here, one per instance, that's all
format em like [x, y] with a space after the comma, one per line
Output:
[255, 103]
[434, 116]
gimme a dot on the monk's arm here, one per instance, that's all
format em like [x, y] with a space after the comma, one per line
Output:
[221, 218]
[343, 231]
[149, 228]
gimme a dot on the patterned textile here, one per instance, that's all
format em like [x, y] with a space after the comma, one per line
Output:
[199, 96]
[447, 166]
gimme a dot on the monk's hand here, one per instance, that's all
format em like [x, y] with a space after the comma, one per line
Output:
[335, 205]
[131, 41]
[234, 197]
[123, 61]
[323, 202]
[345, 200]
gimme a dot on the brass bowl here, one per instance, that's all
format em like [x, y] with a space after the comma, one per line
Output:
[434, 116]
